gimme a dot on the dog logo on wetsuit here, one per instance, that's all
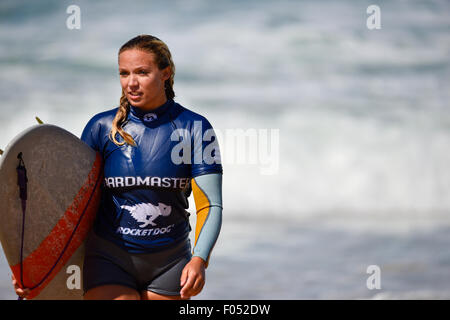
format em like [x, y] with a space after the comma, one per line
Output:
[146, 213]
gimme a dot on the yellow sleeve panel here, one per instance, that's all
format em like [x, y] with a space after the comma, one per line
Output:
[202, 207]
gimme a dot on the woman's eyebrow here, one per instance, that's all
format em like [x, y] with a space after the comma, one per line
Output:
[136, 68]
[142, 67]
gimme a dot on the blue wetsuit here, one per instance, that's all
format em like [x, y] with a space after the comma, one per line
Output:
[146, 186]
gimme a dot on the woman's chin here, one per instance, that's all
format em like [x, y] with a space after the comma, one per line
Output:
[135, 101]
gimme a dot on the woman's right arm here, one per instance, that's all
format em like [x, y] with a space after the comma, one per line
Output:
[91, 132]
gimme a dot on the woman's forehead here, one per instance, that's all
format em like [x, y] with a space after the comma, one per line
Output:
[134, 57]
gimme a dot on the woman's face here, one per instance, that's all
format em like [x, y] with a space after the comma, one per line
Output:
[141, 80]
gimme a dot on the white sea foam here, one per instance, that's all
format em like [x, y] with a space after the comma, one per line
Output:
[362, 115]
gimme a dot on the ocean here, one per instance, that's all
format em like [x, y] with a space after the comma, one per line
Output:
[335, 137]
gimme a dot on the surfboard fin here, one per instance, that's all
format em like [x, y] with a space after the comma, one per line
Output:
[39, 120]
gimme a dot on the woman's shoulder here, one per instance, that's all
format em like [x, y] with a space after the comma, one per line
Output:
[103, 118]
[101, 122]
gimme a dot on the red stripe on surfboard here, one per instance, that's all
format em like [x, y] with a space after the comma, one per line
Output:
[38, 263]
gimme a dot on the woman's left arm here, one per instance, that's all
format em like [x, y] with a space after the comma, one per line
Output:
[207, 191]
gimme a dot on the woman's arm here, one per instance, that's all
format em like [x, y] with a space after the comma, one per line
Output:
[207, 190]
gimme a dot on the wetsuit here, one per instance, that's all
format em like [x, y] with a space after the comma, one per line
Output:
[145, 190]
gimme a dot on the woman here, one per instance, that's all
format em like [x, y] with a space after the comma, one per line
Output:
[155, 152]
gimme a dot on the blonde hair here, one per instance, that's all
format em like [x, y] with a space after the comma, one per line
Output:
[163, 59]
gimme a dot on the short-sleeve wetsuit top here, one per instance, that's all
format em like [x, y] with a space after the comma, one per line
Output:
[145, 189]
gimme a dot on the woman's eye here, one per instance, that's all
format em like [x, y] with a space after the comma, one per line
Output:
[143, 72]
[122, 73]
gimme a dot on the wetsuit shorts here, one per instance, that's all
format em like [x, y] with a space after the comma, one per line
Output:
[106, 263]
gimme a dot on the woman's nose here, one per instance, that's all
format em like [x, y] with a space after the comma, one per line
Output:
[132, 81]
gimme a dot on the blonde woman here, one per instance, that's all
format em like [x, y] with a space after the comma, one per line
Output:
[155, 153]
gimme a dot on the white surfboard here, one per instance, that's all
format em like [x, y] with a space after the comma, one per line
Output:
[63, 194]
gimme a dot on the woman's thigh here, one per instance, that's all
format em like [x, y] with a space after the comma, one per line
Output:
[112, 292]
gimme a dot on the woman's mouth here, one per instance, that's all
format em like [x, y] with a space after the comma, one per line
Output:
[134, 95]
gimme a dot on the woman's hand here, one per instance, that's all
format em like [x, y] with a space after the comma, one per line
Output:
[23, 293]
[192, 278]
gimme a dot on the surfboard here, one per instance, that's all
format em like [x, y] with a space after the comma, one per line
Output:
[45, 245]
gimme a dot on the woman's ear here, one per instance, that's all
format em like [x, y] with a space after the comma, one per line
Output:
[166, 73]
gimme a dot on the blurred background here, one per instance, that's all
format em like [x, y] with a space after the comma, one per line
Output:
[363, 118]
